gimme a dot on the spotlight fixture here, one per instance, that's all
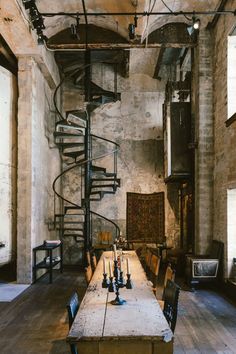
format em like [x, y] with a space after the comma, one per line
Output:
[194, 27]
[132, 27]
[36, 19]
[74, 28]
[196, 24]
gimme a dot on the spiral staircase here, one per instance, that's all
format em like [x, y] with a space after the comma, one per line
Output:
[80, 155]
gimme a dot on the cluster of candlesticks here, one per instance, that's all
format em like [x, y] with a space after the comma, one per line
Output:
[115, 281]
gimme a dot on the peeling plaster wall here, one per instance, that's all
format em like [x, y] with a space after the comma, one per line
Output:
[38, 164]
[135, 123]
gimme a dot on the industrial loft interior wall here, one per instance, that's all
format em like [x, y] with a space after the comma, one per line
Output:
[135, 121]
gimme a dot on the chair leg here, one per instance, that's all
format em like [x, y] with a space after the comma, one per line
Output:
[73, 349]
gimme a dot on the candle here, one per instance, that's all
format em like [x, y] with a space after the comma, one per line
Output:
[115, 256]
[110, 268]
[128, 269]
[121, 261]
[104, 265]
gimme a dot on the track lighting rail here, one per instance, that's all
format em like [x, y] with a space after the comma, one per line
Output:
[145, 13]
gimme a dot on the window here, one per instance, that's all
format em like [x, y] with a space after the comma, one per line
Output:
[231, 229]
[231, 74]
[7, 165]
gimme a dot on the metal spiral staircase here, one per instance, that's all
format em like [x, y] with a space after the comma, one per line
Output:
[79, 153]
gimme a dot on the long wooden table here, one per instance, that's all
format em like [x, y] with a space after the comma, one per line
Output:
[137, 327]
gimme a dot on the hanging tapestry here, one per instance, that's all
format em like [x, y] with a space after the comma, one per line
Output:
[145, 217]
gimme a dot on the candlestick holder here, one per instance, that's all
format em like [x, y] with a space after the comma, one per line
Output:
[105, 282]
[111, 287]
[121, 280]
[129, 284]
[118, 284]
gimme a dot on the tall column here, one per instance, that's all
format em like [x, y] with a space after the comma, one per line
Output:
[203, 112]
[24, 171]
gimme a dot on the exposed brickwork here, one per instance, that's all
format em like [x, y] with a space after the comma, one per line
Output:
[204, 137]
[225, 156]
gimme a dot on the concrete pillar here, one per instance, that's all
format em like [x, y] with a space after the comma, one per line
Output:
[203, 112]
[24, 170]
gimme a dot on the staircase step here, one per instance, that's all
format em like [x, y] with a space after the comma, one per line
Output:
[69, 145]
[74, 154]
[98, 168]
[116, 181]
[71, 229]
[70, 128]
[104, 186]
[71, 207]
[67, 135]
[68, 125]
[78, 116]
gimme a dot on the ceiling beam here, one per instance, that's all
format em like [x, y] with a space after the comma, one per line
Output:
[83, 46]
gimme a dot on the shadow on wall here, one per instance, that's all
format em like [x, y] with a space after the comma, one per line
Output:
[173, 197]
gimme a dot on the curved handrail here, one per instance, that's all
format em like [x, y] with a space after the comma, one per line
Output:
[112, 222]
[109, 141]
[79, 163]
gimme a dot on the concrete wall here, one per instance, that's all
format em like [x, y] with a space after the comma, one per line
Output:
[134, 122]
[37, 164]
[225, 157]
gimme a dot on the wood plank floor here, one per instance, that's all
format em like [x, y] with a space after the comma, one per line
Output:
[36, 322]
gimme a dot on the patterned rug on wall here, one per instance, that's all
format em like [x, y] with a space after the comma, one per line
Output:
[145, 217]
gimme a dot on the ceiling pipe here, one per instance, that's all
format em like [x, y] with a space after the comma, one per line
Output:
[145, 13]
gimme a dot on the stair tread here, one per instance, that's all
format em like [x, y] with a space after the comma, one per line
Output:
[105, 179]
[104, 186]
[65, 123]
[66, 145]
[74, 154]
[98, 168]
[65, 134]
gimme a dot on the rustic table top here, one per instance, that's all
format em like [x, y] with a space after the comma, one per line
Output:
[139, 318]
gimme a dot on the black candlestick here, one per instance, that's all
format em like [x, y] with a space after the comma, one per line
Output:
[117, 300]
[129, 284]
[111, 287]
[105, 282]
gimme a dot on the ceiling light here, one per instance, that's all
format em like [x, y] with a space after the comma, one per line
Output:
[196, 24]
[194, 27]
[131, 29]
[74, 28]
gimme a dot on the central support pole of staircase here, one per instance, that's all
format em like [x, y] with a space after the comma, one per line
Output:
[87, 224]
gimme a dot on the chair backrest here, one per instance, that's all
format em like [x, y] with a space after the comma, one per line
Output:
[88, 258]
[88, 274]
[94, 261]
[169, 274]
[155, 264]
[171, 298]
[72, 307]
[148, 257]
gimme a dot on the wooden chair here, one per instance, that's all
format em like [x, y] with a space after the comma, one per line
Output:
[88, 258]
[93, 261]
[169, 275]
[147, 259]
[72, 309]
[154, 270]
[171, 298]
[88, 274]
